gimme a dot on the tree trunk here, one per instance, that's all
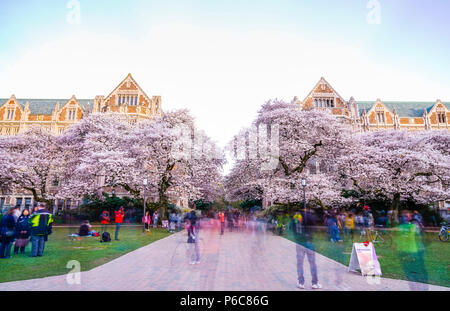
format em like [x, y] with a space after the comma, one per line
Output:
[396, 202]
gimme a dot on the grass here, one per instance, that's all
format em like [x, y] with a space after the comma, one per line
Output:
[437, 256]
[87, 250]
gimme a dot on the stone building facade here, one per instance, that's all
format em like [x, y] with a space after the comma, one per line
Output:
[378, 114]
[17, 115]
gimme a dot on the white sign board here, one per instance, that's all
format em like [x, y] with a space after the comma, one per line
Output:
[364, 259]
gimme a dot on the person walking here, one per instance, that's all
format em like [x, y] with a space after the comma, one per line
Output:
[104, 220]
[222, 222]
[147, 220]
[155, 219]
[411, 252]
[7, 233]
[22, 229]
[41, 227]
[118, 219]
[193, 238]
[303, 233]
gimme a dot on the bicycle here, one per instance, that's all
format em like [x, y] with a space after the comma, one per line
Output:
[377, 236]
[444, 232]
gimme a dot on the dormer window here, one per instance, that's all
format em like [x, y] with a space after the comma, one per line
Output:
[130, 100]
[441, 117]
[10, 114]
[324, 102]
[380, 116]
[72, 114]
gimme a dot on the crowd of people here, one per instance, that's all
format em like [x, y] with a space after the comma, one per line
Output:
[20, 227]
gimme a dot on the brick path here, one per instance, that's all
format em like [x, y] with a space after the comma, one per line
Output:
[235, 261]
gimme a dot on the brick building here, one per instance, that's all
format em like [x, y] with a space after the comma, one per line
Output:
[378, 114]
[17, 115]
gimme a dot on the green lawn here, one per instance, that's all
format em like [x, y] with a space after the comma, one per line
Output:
[88, 251]
[437, 256]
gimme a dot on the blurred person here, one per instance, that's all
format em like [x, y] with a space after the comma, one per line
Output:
[22, 229]
[222, 222]
[382, 220]
[303, 233]
[104, 220]
[118, 219]
[417, 219]
[16, 214]
[341, 221]
[85, 228]
[411, 253]
[230, 221]
[7, 233]
[155, 219]
[193, 238]
[41, 227]
[147, 220]
[179, 219]
[349, 227]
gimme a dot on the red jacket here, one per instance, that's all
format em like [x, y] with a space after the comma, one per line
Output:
[105, 218]
[118, 216]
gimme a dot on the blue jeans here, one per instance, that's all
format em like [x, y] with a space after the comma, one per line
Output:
[5, 249]
[309, 252]
[116, 235]
[335, 233]
[37, 245]
[348, 233]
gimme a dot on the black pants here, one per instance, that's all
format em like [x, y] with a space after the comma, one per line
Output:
[16, 249]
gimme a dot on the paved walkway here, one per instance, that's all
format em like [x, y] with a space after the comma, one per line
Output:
[236, 261]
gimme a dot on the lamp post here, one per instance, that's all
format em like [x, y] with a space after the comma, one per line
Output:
[304, 193]
[143, 215]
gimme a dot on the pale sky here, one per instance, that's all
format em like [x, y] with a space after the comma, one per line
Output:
[223, 59]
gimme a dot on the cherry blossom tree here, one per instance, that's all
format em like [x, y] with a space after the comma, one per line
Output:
[107, 150]
[31, 161]
[399, 165]
[307, 146]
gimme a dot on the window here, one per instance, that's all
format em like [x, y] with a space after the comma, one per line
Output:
[10, 114]
[2, 202]
[72, 114]
[19, 201]
[55, 182]
[324, 102]
[380, 116]
[27, 203]
[441, 117]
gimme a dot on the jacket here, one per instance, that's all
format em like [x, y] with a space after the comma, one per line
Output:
[21, 226]
[104, 218]
[303, 231]
[118, 216]
[7, 224]
[41, 223]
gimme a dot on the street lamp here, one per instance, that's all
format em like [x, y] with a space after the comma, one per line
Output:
[304, 193]
[113, 192]
[143, 215]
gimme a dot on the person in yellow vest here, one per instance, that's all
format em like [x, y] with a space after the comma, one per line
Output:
[41, 227]
[349, 226]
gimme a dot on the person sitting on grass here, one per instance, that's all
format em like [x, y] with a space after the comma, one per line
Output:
[85, 229]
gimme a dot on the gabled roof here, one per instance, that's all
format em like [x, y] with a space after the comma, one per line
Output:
[45, 106]
[322, 80]
[129, 76]
[404, 109]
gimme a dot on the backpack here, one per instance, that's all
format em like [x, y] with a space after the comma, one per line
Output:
[106, 237]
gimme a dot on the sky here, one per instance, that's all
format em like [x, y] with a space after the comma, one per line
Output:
[223, 59]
